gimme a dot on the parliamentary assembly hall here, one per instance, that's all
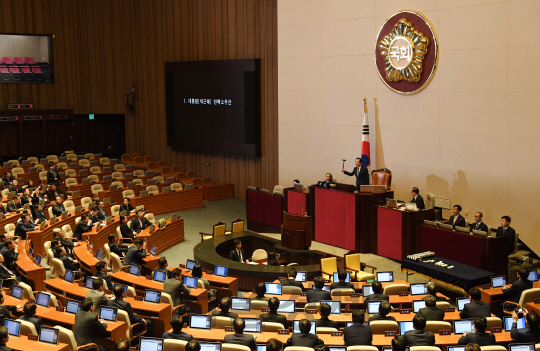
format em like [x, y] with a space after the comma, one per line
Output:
[269, 175]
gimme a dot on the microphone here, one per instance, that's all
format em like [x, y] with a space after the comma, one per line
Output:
[297, 207]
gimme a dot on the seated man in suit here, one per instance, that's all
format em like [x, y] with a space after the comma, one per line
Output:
[8, 179]
[273, 316]
[53, 192]
[121, 345]
[419, 336]
[69, 263]
[10, 255]
[478, 224]
[38, 214]
[84, 225]
[417, 199]
[476, 307]
[115, 247]
[340, 284]
[102, 212]
[14, 205]
[304, 338]
[97, 294]
[384, 309]
[456, 220]
[101, 272]
[328, 180]
[15, 187]
[480, 336]
[4, 338]
[67, 244]
[238, 254]
[87, 325]
[224, 307]
[24, 226]
[377, 295]
[318, 294]
[174, 287]
[53, 177]
[136, 253]
[162, 265]
[119, 303]
[3, 210]
[509, 232]
[291, 280]
[358, 333]
[140, 223]
[529, 334]
[125, 230]
[399, 343]
[239, 337]
[93, 215]
[58, 207]
[431, 312]
[7, 275]
[29, 315]
[177, 324]
[260, 290]
[126, 206]
[324, 321]
[433, 290]
[26, 197]
[513, 293]
[274, 345]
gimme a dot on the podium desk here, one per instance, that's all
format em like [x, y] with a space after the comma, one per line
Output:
[29, 269]
[170, 202]
[218, 191]
[297, 202]
[393, 231]
[164, 238]
[264, 212]
[343, 211]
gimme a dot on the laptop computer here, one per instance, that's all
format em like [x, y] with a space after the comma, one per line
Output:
[462, 326]
[38, 259]
[240, 304]
[89, 281]
[391, 203]
[418, 289]
[108, 313]
[405, 326]
[210, 346]
[273, 288]
[200, 321]
[159, 276]
[522, 347]
[73, 306]
[65, 214]
[143, 193]
[13, 327]
[287, 306]
[373, 307]
[49, 335]
[190, 264]
[533, 276]
[220, 271]
[479, 233]
[336, 279]
[411, 206]
[174, 216]
[455, 348]
[78, 209]
[253, 325]
[367, 290]
[301, 277]
[191, 282]
[335, 306]
[153, 296]
[498, 281]
[461, 302]
[43, 299]
[296, 327]
[153, 250]
[135, 269]
[69, 276]
[508, 323]
[150, 344]
[385, 277]
[418, 304]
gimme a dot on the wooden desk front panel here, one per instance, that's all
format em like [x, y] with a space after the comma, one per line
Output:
[165, 238]
[171, 202]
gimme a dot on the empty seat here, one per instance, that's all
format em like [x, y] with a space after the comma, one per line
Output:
[18, 60]
[138, 161]
[126, 159]
[176, 186]
[190, 175]
[206, 181]
[148, 158]
[29, 60]
[165, 171]
[118, 175]
[27, 75]
[152, 189]
[104, 161]
[152, 166]
[181, 177]
[89, 156]
[84, 163]
[7, 60]
[161, 164]
[119, 167]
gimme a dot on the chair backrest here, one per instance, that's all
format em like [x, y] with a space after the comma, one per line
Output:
[326, 330]
[85, 201]
[181, 177]
[138, 173]
[16, 171]
[27, 328]
[14, 163]
[116, 264]
[152, 189]
[165, 171]
[9, 229]
[68, 232]
[341, 292]
[96, 188]
[59, 268]
[132, 293]
[206, 181]
[138, 161]
[176, 169]
[150, 217]
[493, 322]
[148, 158]
[382, 176]
[197, 184]
[124, 317]
[362, 348]
[107, 250]
[273, 327]
[166, 298]
[292, 290]
[152, 166]
[176, 186]
[329, 265]
[126, 158]
[71, 157]
[529, 295]
[66, 336]
[69, 205]
[53, 158]
[27, 291]
[219, 229]
[395, 289]
[70, 172]
[115, 210]
[436, 326]
[278, 190]
[40, 167]
[159, 179]
[118, 183]
[174, 345]
[353, 262]
[89, 156]
[95, 170]
[258, 304]
[84, 162]
[379, 327]
[61, 165]
[259, 254]
[77, 220]
[237, 226]
[221, 322]
[190, 175]
[117, 175]
[234, 347]
[443, 304]
[312, 306]
[128, 193]
[298, 348]
[104, 161]
[93, 177]
[493, 348]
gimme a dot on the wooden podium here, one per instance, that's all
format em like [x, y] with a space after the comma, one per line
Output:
[296, 231]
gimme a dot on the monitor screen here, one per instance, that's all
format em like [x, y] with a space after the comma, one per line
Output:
[253, 325]
[389, 348]
[108, 313]
[498, 281]
[43, 299]
[220, 271]
[160, 276]
[261, 347]
[73, 306]
[190, 264]
[508, 323]
[240, 303]
[13, 327]
[69, 276]
[286, 306]
[152, 296]
[200, 321]
[98, 254]
[301, 277]
[296, 327]
[347, 280]
[273, 288]
[337, 348]
[367, 290]
[456, 348]
[190, 282]
[521, 347]
[405, 327]
[463, 326]
[418, 304]
[325, 287]
[210, 346]
[461, 302]
[373, 307]
[135, 269]
[335, 306]
[17, 292]
[384, 277]
[89, 281]
[49, 335]
[418, 289]
[153, 250]
[533, 276]
[150, 344]
[38, 259]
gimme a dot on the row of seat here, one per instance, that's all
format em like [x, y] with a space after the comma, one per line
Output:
[23, 74]
[17, 60]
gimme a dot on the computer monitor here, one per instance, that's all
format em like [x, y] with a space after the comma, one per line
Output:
[498, 281]
[418, 289]
[405, 326]
[373, 307]
[190, 264]
[200, 321]
[463, 229]
[521, 347]
[253, 325]
[135, 269]
[240, 304]
[418, 304]
[13, 327]
[287, 306]
[325, 287]
[446, 226]
[384, 277]
[411, 206]
[108, 313]
[43, 299]
[273, 288]
[17, 292]
[38, 259]
[220, 271]
[210, 346]
[69, 276]
[336, 279]
[301, 277]
[389, 348]
[98, 254]
[73, 306]
[296, 327]
[392, 203]
[461, 302]
[49, 335]
[337, 348]
[261, 347]
[298, 187]
[462, 326]
[190, 282]
[367, 290]
[533, 276]
[150, 344]
[455, 348]
[479, 232]
[159, 276]
[335, 306]
[153, 250]
[153, 296]
[508, 323]
[89, 281]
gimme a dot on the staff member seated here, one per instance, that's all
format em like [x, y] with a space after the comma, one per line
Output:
[509, 232]
[58, 207]
[324, 321]
[529, 334]
[377, 295]
[358, 333]
[239, 337]
[431, 312]
[273, 316]
[419, 336]
[238, 254]
[479, 337]
[260, 290]
[318, 294]
[14, 205]
[513, 293]
[456, 220]
[340, 284]
[84, 225]
[478, 224]
[304, 338]
[328, 181]
[177, 324]
[224, 307]
[126, 206]
[476, 307]
[87, 325]
[125, 230]
[384, 309]
[417, 199]
[136, 253]
[69, 264]
[140, 223]
[291, 280]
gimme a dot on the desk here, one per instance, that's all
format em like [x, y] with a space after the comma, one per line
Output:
[117, 195]
[170, 202]
[159, 313]
[164, 238]
[221, 283]
[61, 288]
[88, 261]
[39, 237]
[357, 285]
[24, 344]
[263, 212]
[493, 295]
[30, 269]
[218, 191]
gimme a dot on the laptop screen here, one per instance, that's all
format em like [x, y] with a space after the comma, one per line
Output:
[49, 335]
[152, 296]
[417, 305]
[89, 281]
[286, 306]
[17, 292]
[337, 348]
[463, 326]
[384, 277]
[335, 306]
[521, 347]
[98, 254]
[69, 276]
[190, 282]
[498, 281]
[367, 290]
[13, 327]
[253, 325]
[38, 259]
[456, 348]
[135, 269]
[210, 346]
[273, 288]
[220, 271]
[43, 299]
[73, 306]
[405, 327]
[296, 327]
[347, 280]
[160, 276]
[190, 264]
[261, 347]
[508, 323]
[418, 289]
[200, 321]
[150, 344]
[461, 302]
[373, 307]
[108, 313]
[240, 304]
[153, 250]
[301, 277]
[533, 276]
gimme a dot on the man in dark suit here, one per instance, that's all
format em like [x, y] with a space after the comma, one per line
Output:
[10, 256]
[53, 192]
[14, 205]
[67, 244]
[15, 187]
[224, 307]
[125, 230]
[479, 337]
[4, 338]
[6, 274]
[304, 338]
[174, 287]
[101, 272]
[58, 207]
[140, 223]
[3, 210]
[318, 294]
[431, 312]
[239, 337]
[238, 254]
[8, 179]
[26, 197]
[38, 214]
[274, 345]
[119, 303]
[291, 280]
[24, 226]
[328, 180]
[87, 325]
[433, 290]
[360, 172]
[476, 307]
[102, 212]
[419, 336]
[478, 224]
[513, 293]
[260, 290]
[324, 321]
[116, 248]
[377, 295]
[136, 253]
[6, 310]
[340, 284]
[417, 199]
[529, 334]
[273, 316]
[509, 232]
[399, 343]
[126, 206]
[53, 177]
[84, 225]
[358, 333]
[29, 315]
[69, 263]
[93, 215]
[97, 294]
[456, 220]
[177, 324]
[384, 309]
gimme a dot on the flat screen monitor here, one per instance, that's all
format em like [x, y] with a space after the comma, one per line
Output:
[89, 281]
[69, 276]
[296, 327]
[73, 306]
[253, 325]
[533, 276]
[153, 250]
[98, 254]
[455, 348]
[367, 290]
[385, 277]
[273, 288]
[17, 292]
[417, 305]
[210, 346]
[325, 287]
[190, 264]
[286, 306]
[498, 281]
[108, 313]
[462, 326]
[49, 335]
[521, 347]
[301, 277]
[220, 271]
[240, 304]
[153, 296]
[135, 269]
[508, 323]
[337, 348]
[159, 276]
[190, 282]
[261, 347]
[335, 306]
[347, 280]
[13, 327]
[373, 307]
[405, 327]
[43, 299]
[150, 344]
[38, 259]
[418, 289]
[200, 321]
[461, 302]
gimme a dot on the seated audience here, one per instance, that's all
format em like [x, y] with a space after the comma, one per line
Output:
[324, 321]
[29, 315]
[224, 307]
[239, 337]
[84, 226]
[115, 247]
[399, 343]
[6, 275]
[476, 307]
[274, 345]
[8, 179]
[162, 266]
[125, 230]
[193, 345]
[24, 226]
[457, 220]
[15, 187]
[10, 255]
[136, 253]
[102, 212]
[291, 280]
[273, 316]
[419, 336]
[14, 205]
[478, 224]
[87, 325]
[126, 206]
[431, 312]
[417, 199]
[304, 338]
[4, 338]
[140, 223]
[176, 289]
[121, 345]
[529, 334]
[93, 215]
[6, 310]
[53, 192]
[358, 333]
[377, 295]
[480, 336]
[318, 294]
[58, 207]
[177, 324]
[384, 309]
[472, 347]
[340, 284]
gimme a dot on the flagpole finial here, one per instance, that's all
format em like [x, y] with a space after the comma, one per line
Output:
[365, 99]
[365, 105]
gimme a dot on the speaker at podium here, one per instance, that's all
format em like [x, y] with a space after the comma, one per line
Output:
[296, 231]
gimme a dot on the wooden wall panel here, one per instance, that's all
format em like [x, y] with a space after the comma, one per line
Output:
[104, 48]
